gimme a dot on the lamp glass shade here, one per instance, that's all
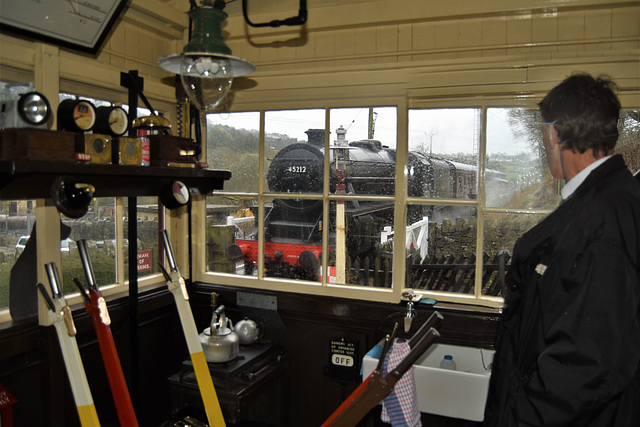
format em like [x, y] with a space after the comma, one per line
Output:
[206, 79]
[206, 66]
[34, 108]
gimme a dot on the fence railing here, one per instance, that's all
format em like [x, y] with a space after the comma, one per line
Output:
[456, 273]
[444, 273]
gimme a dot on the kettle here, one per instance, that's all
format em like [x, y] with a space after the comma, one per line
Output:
[219, 342]
[248, 331]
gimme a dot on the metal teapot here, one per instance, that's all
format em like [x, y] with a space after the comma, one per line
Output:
[219, 342]
[248, 331]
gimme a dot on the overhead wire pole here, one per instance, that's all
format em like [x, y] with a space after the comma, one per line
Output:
[431, 135]
[372, 123]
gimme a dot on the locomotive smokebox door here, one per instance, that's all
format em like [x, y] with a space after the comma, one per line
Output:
[344, 360]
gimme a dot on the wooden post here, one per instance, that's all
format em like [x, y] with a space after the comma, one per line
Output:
[341, 247]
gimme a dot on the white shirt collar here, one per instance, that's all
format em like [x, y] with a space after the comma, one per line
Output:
[575, 182]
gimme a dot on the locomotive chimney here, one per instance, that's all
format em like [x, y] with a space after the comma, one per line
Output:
[341, 132]
[316, 137]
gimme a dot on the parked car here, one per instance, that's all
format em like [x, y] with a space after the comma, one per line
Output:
[22, 243]
[64, 244]
[111, 242]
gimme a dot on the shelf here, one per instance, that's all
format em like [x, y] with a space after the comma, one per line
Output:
[33, 179]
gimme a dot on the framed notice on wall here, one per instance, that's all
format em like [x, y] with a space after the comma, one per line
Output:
[81, 25]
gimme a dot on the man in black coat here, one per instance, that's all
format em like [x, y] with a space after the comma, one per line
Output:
[568, 345]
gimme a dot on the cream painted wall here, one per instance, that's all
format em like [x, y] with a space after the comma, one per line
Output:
[368, 51]
[361, 52]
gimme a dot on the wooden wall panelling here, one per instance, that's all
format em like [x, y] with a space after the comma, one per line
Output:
[624, 23]
[546, 32]
[16, 53]
[21, 366]
[310, 321]
[31, 366]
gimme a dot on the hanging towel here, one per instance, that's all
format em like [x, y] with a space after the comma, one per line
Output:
[400, 407]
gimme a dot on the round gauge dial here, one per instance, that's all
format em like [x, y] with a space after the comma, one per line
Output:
[112, 121]
[174, 194]
[76, 115]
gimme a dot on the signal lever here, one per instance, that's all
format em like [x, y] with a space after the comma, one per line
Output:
[176, 285]
[96, 307]
[59, 315]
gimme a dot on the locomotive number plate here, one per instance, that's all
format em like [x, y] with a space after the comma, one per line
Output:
[297, 169]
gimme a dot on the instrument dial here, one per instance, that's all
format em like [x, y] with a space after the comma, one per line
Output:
[76, 115]
[112, 121]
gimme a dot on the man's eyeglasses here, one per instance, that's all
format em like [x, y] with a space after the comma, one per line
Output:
[545, 125]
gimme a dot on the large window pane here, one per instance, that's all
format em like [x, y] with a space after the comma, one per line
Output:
[231, 235]
[517, 174]
[379, 123]
[147, 225]
[443, 153]
[232, 144]
[501, 230]
[356, 255]
[98, 228]
[363, 162]
[629, 142]
[293, 238]
[441, 251]
[294, 147]
[363, 143]
[17, 219]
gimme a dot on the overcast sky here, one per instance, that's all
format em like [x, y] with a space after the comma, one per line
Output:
[447, 130]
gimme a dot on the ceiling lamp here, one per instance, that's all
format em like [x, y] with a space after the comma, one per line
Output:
[206, 66]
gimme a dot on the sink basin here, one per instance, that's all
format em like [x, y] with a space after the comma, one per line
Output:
[457, 394]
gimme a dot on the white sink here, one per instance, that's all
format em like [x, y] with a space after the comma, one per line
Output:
[457, 394]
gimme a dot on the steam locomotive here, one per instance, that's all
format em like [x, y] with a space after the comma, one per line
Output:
[293, 227]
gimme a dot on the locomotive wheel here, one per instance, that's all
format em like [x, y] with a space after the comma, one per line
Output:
[308, 260]
[234, 252]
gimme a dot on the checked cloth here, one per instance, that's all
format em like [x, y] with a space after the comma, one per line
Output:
[400, 407]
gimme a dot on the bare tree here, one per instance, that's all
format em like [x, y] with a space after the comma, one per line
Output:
[525, 124]
[629, 141]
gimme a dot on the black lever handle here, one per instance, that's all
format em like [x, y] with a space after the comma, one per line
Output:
[83, 292]
[54, 279]
[171, 258]
[83, 248]
[46, 296]
[432, 322]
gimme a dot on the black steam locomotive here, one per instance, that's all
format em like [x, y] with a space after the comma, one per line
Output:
[293, 226]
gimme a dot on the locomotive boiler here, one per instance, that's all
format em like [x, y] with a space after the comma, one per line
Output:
[293, 226]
